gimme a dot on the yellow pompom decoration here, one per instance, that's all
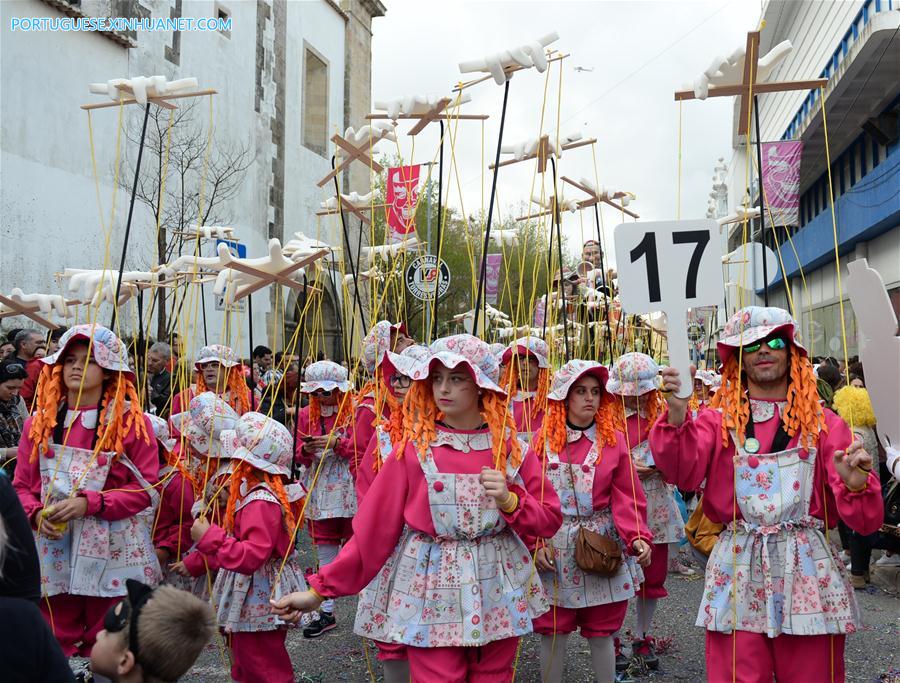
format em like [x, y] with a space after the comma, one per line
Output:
[854, 406]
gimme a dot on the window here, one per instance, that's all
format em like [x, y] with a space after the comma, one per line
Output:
[223, 14]
[315, 103]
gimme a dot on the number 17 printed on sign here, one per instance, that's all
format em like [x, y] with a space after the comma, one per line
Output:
[670, 266]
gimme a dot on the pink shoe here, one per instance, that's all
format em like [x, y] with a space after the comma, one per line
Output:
[677, 567]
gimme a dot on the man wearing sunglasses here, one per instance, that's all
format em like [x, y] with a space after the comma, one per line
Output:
[780, 471]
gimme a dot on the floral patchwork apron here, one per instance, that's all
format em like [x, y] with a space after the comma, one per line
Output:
[334, 493]
[242, 600]
[471, 584]
[788, 577]
[663, 516]
[94, 556]
[570, 586]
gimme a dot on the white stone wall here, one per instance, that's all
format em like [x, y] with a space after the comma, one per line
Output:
[49, 217]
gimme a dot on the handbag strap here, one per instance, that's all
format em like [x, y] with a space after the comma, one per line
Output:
[572, 479]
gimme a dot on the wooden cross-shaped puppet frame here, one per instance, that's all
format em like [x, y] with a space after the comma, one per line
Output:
[543, 152]
[749, 85]
[436, 113]
[30, 311]
[282, 277]
[161, 101]
[552, 56]
[594, 199]
[356, 209]
[354, 152]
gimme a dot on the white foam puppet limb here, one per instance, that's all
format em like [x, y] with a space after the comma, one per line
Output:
[528, 55]
[142, 87]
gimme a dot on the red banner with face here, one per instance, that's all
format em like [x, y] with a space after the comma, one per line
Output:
[402, 198]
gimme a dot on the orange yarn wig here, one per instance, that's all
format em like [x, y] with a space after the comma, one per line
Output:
[511, 381]
[608, 419]
[244, 471]
[345, 409]
[420, 414]
[115, 421]
[803, 414]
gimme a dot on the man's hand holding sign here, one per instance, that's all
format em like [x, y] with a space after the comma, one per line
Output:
[670, 266]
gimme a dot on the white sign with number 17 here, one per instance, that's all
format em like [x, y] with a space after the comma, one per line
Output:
[670, 266]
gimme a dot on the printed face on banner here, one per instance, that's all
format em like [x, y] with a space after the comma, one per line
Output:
[402, 198]
[781, 180]
[492, 276]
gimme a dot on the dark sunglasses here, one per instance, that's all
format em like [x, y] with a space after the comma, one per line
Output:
[322, 392]
[776, 344]
[125, 614]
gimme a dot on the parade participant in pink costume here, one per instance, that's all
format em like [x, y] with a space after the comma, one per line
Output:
[463, 589]
[255, 549]
[326, 453]
[87, 465]
[200, 431]
[172, 525]
[374, 404]
[780, 471]
[704, 388]
[526, 376]
[587, 462]
[218, 370]
[399, 371]
[633, 380]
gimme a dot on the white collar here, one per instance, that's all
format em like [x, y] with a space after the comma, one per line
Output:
[572, 435]
[463, 441]
[763, 411]
[327, 411]
[89, 418]
[631, 411]
[524, 395]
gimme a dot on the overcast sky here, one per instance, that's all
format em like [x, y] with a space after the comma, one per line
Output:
[639, 53]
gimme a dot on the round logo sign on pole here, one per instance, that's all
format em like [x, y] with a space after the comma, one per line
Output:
[427, 277]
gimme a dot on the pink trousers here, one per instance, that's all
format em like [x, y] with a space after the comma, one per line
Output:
[491, 663]
[330, 531]
[654, 585]
[260, 656]
[76, 620]
[388, 651]
[593, 622]
[759, 659]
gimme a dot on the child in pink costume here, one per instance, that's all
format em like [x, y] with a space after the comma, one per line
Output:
[254, 549]
[457, 496]
[526, 375]
[87, 466]
[633, 381]
[780, 471]
[587, 461]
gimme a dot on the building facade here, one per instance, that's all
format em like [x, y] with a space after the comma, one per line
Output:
[288, 75]
[856, 47]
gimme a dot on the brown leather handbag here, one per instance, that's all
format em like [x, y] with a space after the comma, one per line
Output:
[594, 553]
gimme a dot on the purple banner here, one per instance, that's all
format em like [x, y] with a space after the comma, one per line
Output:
[781, 180]
[492, 277]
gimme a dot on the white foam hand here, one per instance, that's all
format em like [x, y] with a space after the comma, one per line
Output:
[527, 55]
[231, 283]
[98, 286]
[302, 246]
[370, 134]
[730, 70]
[412, 105]
[46, 303]
[142, 87]
[209, 232]
[353, 199]
[509, 237]
[388, 250]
